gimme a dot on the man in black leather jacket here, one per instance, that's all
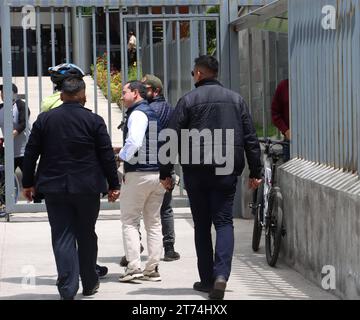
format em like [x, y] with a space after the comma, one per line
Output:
[211, 121]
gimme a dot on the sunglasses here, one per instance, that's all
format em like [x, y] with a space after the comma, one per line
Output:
[193, 73]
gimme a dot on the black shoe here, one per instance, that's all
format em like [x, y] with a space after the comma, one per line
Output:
[63, 298]
[218, 291]
[171, 254]
[199, 286]
[101, 271]
[90, 292]
[124, 262]
[37, 198]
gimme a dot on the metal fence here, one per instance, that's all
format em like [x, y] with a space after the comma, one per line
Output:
[325, 82]
[172, 59]
[80, 17]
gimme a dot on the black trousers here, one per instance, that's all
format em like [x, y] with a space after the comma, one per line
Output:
[72, 219]
[286, 152]
[167, 221]
[18, 162]
[211, 200]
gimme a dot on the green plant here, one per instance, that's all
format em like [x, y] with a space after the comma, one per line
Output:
[102, 80]
[272, 131]
[132, 75]
[211, 31]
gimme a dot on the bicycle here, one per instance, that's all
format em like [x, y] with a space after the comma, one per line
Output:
[267, 204]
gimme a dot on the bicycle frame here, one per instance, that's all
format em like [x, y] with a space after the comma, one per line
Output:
[267, 185]
[267, 205]
[270, 159]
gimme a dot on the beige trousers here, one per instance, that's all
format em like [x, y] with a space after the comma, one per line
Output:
[141, 194]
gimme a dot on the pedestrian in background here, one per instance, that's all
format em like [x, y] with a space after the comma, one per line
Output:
[280, 114]
[19, 132]
[156, 99]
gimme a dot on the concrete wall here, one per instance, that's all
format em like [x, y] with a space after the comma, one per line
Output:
[322, 219]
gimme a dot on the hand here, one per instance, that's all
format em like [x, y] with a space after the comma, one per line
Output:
[118, 160]
[113, 195]
[254, 183]
[116, 149]
[28, 193]
[168, 183]
[288, 134]
[15, 132]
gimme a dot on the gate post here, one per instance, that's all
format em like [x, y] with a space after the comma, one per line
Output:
[8, 117]
[229, 46]
[230, 78]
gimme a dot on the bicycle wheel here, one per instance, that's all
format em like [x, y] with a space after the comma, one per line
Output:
[274, 227]
[257, 211]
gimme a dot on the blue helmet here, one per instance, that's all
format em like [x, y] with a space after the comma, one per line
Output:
[64, 71]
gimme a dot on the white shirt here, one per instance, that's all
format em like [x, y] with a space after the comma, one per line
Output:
[137, 125]
[132, 42]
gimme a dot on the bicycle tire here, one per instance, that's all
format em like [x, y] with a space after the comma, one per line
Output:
[257, 211]
[274, 227]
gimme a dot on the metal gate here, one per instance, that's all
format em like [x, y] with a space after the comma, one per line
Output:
[170, 34]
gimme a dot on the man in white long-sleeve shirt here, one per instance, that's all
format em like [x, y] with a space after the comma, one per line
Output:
[141, 192]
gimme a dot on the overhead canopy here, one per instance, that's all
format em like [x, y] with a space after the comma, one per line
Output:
[271, 17]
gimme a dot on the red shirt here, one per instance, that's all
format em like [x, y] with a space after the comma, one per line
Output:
[280, 107]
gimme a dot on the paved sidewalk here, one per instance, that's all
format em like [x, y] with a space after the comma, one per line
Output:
[25, 251]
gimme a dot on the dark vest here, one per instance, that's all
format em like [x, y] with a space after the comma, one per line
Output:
[163, 109]
[146, 159]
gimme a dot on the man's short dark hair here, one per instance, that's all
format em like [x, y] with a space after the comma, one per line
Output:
[208, 62]
[72, 86]
[14, 88]
[139, 86]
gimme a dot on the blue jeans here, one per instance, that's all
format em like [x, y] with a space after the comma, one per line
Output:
[211, 201]
[286, 151]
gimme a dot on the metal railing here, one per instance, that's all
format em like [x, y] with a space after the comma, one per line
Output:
[80, 27]
[325, 83]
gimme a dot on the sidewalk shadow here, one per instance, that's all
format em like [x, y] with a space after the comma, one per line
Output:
[168, 292]
[31, 296]
[40, 280]
[117, 259]
[265, 282]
